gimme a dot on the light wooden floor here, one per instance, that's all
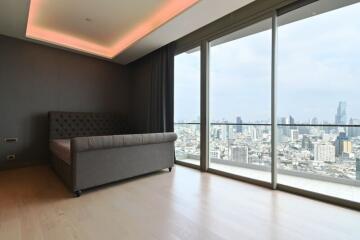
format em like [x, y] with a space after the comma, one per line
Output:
[184, 204]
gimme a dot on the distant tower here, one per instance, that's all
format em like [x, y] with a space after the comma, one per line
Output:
[290, 120]
[340, 117]
[239, 127]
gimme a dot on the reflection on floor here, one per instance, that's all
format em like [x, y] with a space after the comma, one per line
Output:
[343, 191]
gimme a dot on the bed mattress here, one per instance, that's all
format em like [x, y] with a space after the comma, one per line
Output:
[61, 149]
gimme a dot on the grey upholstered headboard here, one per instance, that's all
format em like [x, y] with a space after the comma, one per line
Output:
[81, 124]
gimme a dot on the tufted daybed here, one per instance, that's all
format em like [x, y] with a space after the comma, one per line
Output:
[91, 149]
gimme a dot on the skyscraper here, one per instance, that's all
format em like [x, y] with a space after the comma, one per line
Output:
[291, 120]
[340, 117]
[343, 144]
[254, 133]
[239, 127]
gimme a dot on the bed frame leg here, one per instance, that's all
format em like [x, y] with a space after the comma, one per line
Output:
[77, 193]
[170, 169]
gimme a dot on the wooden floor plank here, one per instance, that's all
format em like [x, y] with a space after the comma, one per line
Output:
[183, 204]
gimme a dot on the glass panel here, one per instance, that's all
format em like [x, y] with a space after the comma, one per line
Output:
[318, 63]
[187, 106]
[321, 159]
[240, 81]
[318, 86]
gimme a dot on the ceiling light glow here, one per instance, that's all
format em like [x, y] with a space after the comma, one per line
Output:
[166, 12]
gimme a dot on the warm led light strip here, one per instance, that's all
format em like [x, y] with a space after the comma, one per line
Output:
[169, 10]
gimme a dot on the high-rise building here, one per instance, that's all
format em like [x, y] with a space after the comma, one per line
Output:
[225, 131]
[324, 152]
[340, 117]
[253, 133]
[282, 129]
[218, 133]
[239, 128]
[354, 131]
[286, 130]
[240, 154]
[231, 132]
[294, 135]
[291, 120]
[358, 168]
[342, 144]
[307, 143]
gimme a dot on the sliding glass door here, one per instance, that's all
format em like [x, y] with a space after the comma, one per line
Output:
[187, 106]
[240, 102]
[318, 99]
[282, 100]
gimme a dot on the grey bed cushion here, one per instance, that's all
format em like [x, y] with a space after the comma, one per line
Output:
[61, 149]
[82, 144]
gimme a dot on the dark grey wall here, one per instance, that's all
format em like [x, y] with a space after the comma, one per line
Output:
[35, 79]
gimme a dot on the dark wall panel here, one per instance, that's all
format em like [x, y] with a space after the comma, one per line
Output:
[35, 79]
[139, 73]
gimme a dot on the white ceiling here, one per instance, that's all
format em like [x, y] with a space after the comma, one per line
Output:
[121, 15]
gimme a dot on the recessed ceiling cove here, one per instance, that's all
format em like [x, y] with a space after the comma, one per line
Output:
[104, 28]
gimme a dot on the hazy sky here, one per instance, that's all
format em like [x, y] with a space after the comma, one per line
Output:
[318, 66]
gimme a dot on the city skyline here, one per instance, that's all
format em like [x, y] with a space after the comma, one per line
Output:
[326, 151]
[340, 118]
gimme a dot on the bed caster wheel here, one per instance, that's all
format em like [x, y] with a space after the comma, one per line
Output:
[170, 168]
[77, 193]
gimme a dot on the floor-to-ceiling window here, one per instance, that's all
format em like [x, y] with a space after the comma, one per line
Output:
[318, 98]
[240, 102]
[309, 74]
[187, 106]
